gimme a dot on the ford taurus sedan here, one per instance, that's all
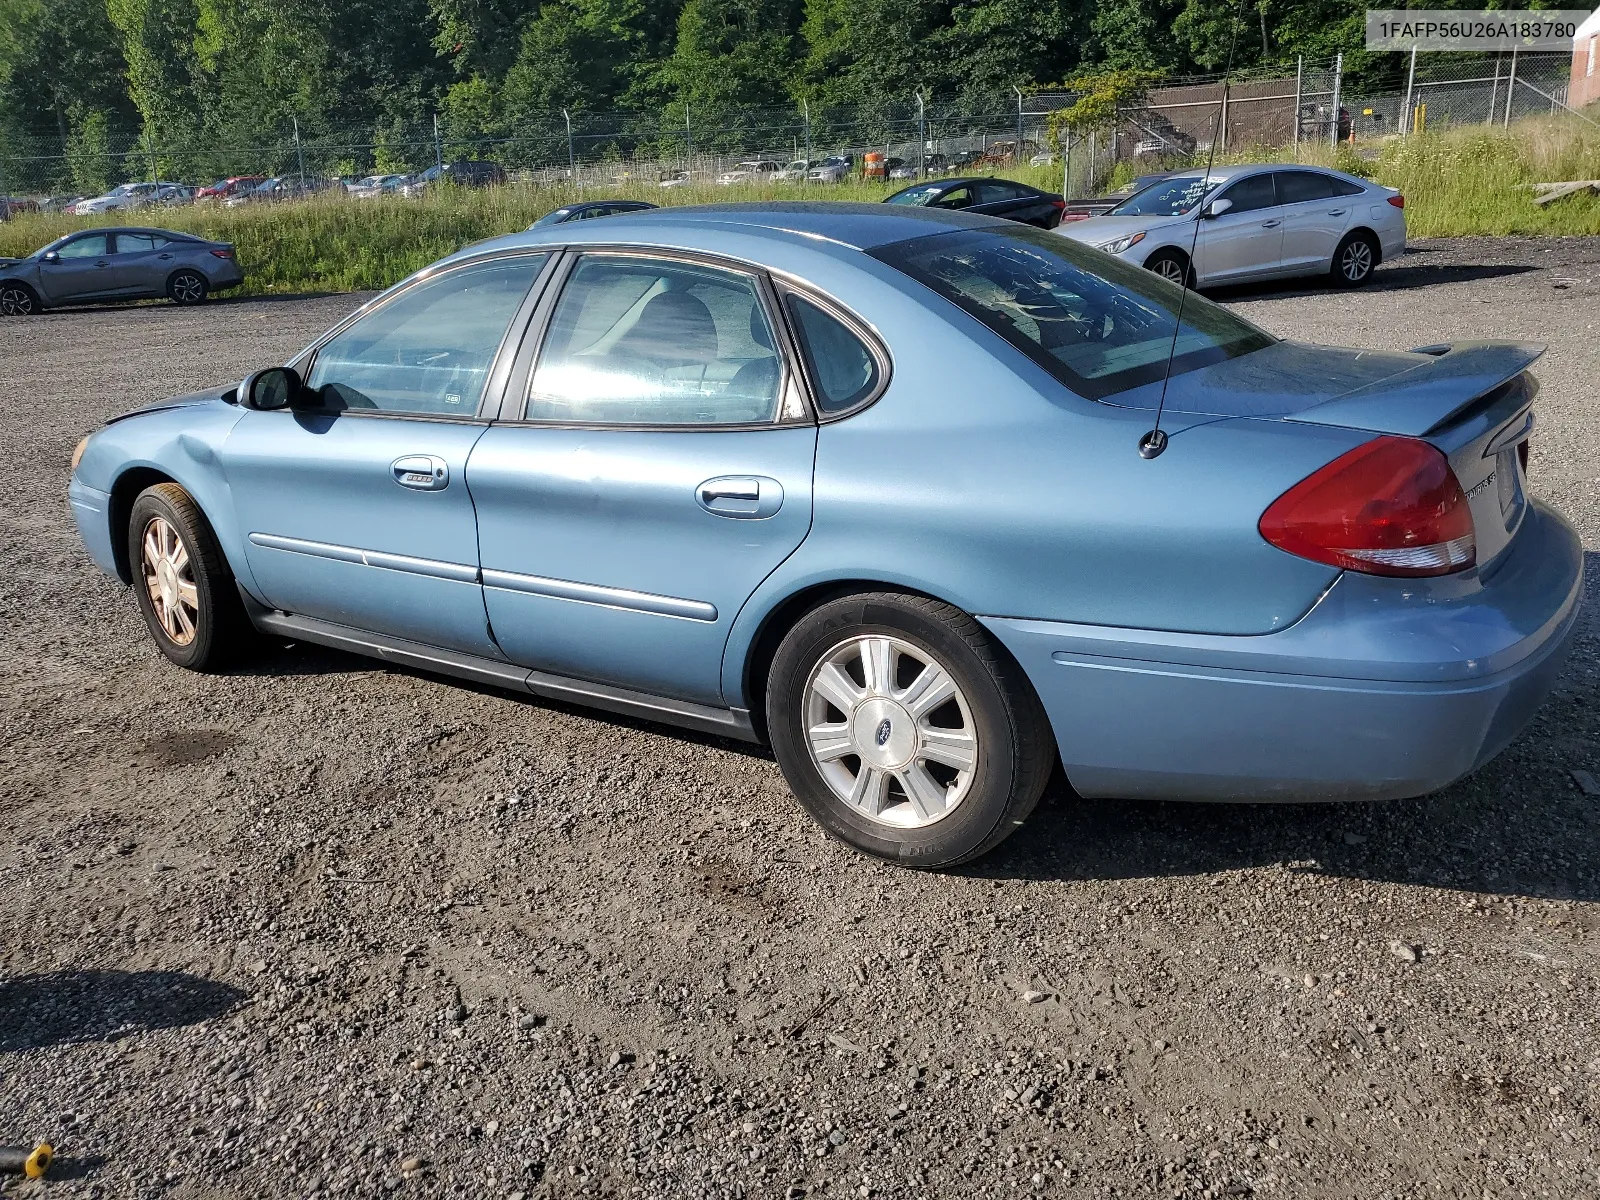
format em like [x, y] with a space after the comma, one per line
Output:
[117, 264]
[1249, 223]
[863, 483]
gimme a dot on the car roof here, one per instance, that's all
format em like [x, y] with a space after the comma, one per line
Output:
[854, 225]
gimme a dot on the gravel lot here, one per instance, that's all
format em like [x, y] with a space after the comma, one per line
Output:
[322, 927]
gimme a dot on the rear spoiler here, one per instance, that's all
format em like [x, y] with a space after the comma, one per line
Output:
[1419, 400]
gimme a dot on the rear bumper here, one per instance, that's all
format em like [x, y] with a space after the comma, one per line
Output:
[1386, 688]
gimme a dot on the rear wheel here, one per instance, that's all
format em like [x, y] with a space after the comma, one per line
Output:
[184, 586]
[1171, 265]
[1354, 260]
[905, 731]
[17, 300]
[187, 287]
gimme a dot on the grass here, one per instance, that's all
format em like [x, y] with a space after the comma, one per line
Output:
[1466, 181]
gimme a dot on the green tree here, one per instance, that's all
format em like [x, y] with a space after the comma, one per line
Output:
[734, 52]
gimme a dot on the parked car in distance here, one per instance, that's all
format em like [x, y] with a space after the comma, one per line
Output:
[991, 197]
[117, 264]
[456, 174]
[796, 172]
[11, 206]
[674, 179]
[231, 186]
[832, 169]
[374, 186]
[1098, 206]
[590, 209]
[1254, 222]
[753, 171]
[128, 196]
[670, 497]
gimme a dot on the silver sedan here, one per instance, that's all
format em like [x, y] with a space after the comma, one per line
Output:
[1243, 223]
[117, 264]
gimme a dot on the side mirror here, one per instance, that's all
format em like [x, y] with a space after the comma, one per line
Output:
[50, 256]
[270, 390]
[1216, 208]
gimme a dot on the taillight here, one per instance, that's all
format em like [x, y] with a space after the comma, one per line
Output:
[1391, 506]
[228, 253]
[1398, 201]
[1059, 203]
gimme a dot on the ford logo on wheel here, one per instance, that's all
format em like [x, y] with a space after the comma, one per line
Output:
[882, 736]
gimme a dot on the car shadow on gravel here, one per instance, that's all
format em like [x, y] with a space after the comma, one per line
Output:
[1397, 277]
[63, 1008]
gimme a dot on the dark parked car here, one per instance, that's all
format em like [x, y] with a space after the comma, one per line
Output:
[992, 197]
[588, 210]
[117, 264]
[461, 174]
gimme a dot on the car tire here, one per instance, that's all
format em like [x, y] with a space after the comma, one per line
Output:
[1172, 266]
[181, 578]
[18, 300]
[187, 288]
[872, 743]
[1355, 259]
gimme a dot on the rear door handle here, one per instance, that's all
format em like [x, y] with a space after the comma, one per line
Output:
[743, 497]
[421, 472]
[1337, 212]
[1272, 224]
[163, 257]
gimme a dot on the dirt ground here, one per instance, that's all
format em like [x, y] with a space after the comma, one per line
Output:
[325, 928]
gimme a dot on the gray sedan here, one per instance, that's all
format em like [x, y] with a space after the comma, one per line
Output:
[117, 264]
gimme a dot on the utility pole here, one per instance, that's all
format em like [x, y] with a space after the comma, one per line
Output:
[1018, 91]
[1299, 91]
[572, 161]
[805, 110]
[438, 148]
[1338, 85]
[299, 152]
[922, 139]
[1406, 119]
[688, 141]
[150, 150]
[1222, 122]
[1511, 88]
[1066, 163]
[1494, 93]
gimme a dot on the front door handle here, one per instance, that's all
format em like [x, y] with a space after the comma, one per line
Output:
[164, 257]
[744, 497]
[1272, 224]
[421, 472]
[1337, 212]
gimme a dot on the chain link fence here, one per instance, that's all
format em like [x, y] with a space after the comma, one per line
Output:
[904, 139]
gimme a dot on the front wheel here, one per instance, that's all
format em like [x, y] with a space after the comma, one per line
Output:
[17, 300]
[905, 731]
[1354, 260]
[187, 287]
[185, 589]
[1171, 266]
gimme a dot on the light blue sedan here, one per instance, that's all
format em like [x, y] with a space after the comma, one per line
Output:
[865, 484]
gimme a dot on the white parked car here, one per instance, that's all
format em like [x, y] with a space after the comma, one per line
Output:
[831, 169]
[674, 179]
[1253, 222]
[378, 185]
[796, 171]
[127, 196]
[751, 172]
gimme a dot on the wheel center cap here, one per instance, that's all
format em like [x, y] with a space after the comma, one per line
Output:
[884, 734]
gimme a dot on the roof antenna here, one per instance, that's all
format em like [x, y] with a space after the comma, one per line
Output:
[1154, 442]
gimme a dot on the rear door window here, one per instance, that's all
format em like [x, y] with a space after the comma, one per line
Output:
[1298, 187]
[139, 243]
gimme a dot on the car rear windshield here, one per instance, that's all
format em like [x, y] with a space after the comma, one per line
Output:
[1098, 324]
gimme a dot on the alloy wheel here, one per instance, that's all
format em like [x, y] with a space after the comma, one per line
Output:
[1356, 261]
[169, 580]
[890, 731]
[188, 289]
[15, 302]
[1171, 270]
